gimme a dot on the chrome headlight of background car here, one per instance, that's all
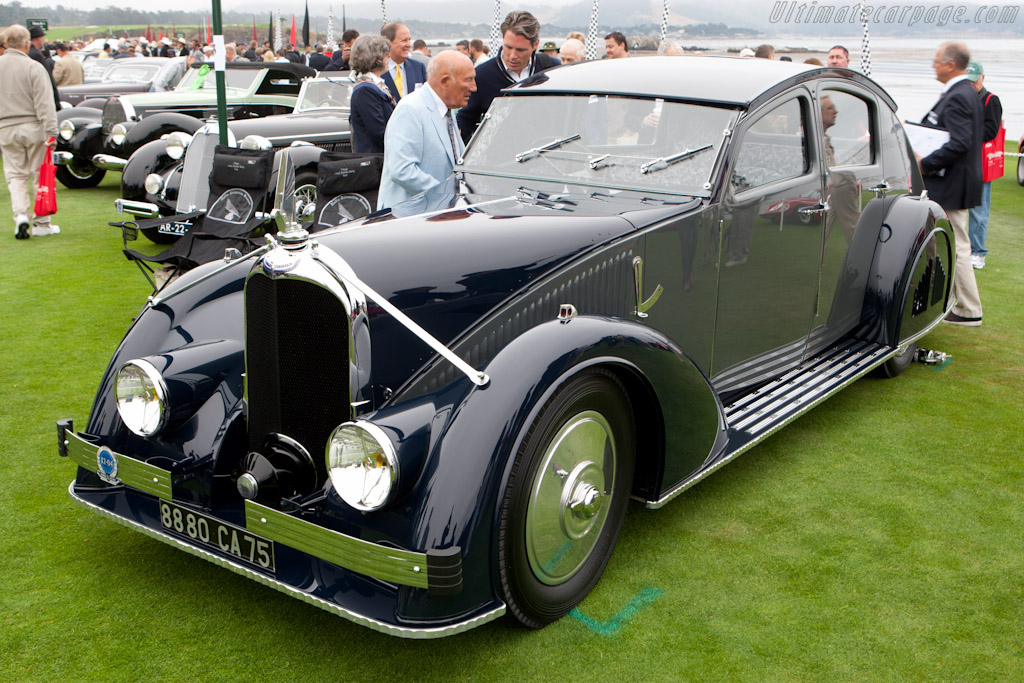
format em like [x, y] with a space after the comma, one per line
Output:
[118, 134]
[362, 465]
[154, 183]
[255, 142]
[141, 397]
[66, 130]
[176, 144]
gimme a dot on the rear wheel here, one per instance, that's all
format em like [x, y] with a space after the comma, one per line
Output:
[77, 174]
[895, 366]
[1020, 168]
[566, 498]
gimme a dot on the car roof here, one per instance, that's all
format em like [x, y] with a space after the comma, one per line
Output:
[299, 70]
[735, 81]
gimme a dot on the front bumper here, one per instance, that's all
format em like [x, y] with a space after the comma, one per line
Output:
[338, 563]
[108, 162]
[137, 208]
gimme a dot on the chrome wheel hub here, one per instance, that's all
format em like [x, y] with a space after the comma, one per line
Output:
[569, 500]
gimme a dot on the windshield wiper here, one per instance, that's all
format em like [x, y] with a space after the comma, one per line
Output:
[665, 162]
[537, 151]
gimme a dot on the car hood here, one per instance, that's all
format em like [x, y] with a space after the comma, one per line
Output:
[448, 268]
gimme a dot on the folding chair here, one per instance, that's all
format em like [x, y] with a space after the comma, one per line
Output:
[346, 188]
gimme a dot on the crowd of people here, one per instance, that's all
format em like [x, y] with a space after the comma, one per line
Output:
[420, 111]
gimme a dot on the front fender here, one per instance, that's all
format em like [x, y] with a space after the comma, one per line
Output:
[152, 128]
[911, 275]
[87, 140]
[474, 438]
[150, 158]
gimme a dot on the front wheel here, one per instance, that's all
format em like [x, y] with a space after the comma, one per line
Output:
[1020, 168]
[566, 498]
[78, 174]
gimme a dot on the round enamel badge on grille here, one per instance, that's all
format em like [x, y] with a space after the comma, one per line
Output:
[106, 465]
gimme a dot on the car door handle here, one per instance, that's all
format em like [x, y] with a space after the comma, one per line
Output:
[880, 189]
[814, 210]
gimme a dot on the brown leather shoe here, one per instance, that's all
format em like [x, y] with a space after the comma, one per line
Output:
[954, 319]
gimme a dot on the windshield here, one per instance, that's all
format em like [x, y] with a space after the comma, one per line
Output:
[602, 141]
[324, 94]
[130, 73]
[203, 78]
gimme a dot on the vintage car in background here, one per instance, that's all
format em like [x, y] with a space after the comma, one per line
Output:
[93, 141]
[437, 415]
[123, 76]
[152, 181]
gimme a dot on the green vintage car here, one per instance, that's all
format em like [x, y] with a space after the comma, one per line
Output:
[93, 141]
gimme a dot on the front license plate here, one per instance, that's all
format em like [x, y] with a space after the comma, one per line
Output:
[176, 228]
[213, 533]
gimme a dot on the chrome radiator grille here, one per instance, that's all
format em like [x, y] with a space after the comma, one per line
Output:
[297, 364]
[113, 114]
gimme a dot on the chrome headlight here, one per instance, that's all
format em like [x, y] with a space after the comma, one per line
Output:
[66, 130]
[141, 397]
[154, 183]
[362, 464]
[118, 133]
[255, 142]
[176, 144]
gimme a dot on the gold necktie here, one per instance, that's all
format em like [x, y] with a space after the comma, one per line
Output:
[398, 81]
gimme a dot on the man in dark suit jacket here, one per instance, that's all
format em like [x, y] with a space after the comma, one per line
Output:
[517, 59]
[403, 73]
[318, 60]
[952, 173]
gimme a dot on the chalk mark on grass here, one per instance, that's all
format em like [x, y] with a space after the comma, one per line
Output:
[611, 627]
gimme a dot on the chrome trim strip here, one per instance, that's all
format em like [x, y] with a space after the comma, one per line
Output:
[137, 208]
[338, 610]
[477, 377]
[109, 162]
[131, 472]
[393, 565]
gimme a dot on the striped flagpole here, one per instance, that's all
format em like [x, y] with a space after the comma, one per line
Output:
[664, 20]
[383, 11]
[865, 43]
[592, 33]
[495, 38]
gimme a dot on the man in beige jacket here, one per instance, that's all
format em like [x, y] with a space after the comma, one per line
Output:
[66, 69]
[28, 124]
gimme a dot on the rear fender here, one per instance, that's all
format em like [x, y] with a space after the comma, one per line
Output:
[911, 276]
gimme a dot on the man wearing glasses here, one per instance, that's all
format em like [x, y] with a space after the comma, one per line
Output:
[952, 173]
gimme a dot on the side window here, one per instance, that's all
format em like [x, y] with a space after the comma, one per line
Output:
[846, 119]
[774, 148]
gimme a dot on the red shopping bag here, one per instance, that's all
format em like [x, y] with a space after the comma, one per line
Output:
[46, 188]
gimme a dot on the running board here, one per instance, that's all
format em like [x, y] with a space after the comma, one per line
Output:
[759, 414]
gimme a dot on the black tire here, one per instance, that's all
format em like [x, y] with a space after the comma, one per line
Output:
[1020, 169]
[547, 573]
[895, 366]
[79, 174]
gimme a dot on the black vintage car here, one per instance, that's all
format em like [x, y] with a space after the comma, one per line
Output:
[167, 177]
[437, 415]
[92, 141]
[123, 76]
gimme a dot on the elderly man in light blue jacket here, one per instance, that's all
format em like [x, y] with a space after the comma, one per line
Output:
[422, 141]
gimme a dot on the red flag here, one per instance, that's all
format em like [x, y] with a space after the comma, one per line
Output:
[254, 28]
[294, 41]
[149, 36]
[209, 28]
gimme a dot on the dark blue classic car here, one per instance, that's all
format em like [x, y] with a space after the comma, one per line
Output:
[437, 415]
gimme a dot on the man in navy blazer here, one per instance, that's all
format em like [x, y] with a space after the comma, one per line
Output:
[422, 143]
[403, 74]
[952, 173]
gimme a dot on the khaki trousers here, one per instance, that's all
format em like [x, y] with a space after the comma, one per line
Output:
[23, 146]
[965, 286]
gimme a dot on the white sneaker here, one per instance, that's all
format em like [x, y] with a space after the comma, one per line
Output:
[978, 261]
[21, 226]
[44, 230]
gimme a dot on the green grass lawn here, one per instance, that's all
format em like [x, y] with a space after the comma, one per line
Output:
[879, 537]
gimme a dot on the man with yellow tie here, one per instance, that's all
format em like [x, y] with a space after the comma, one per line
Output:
[403, 74]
